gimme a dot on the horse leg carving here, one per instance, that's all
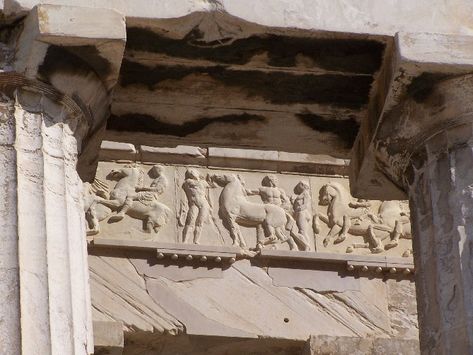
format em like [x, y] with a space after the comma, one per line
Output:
[354, 246]
[376, 245]
[343, 232]
[240, 238]
[331, 234]
[147, 225]
[407, 253]
[300, 239]
[395, 236]
[92, 221]
[260, 234]
[269, 235]
[235, 233]
[290, 240]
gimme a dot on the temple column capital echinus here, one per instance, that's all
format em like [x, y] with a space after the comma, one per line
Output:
[418, 141]
[54, 100]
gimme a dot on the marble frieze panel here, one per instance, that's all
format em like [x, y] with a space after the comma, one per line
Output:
[251, 210]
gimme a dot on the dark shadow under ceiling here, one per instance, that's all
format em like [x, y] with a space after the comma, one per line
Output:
[213, 79]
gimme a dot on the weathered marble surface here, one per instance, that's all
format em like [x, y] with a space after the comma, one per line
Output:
[419, 144]
[371, 16]
[358, 346]
[243, 302]
[43, 251]
[190, 204]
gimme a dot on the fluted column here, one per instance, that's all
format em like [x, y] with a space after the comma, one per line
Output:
[45, 306]
[441, 197]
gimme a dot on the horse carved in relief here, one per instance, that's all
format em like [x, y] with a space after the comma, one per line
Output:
[127, 197]
[235, 209]
[344, 216]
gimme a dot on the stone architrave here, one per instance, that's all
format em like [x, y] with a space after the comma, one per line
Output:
[423, 143]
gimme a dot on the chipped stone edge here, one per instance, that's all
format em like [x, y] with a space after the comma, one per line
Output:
[117, 151]
[217, 157]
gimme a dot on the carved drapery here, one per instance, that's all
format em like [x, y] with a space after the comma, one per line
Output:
[43, 271]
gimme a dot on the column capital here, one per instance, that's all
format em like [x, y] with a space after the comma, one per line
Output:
[428, 89]
[43, 98]
[77, 52]
[44, 259]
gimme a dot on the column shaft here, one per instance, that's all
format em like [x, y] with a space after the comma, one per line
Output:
[441, 199]
[43, 265]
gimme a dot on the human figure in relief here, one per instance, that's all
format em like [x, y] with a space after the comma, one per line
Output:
[235, 209]
[270, 192]
[198, 205]
[144, 194]
[302, 205]
[130, 197]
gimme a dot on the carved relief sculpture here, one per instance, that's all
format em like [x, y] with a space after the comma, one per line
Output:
[270, 192]
[92, 193]
[344, 216]
[302, 205]
[129, 197]
[392, 215]
[220, 209]
[235, 209]
[198, 206]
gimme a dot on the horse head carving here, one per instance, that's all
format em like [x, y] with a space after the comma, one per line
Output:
[331, 191]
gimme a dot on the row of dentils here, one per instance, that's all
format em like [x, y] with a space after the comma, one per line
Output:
[190, 257]
[379, 269]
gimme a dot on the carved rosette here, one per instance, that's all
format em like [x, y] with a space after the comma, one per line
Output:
[43, 270]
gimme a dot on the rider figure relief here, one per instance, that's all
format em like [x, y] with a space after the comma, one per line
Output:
[198, 205]
[270, 192]
[156, 188]
[128, 196]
